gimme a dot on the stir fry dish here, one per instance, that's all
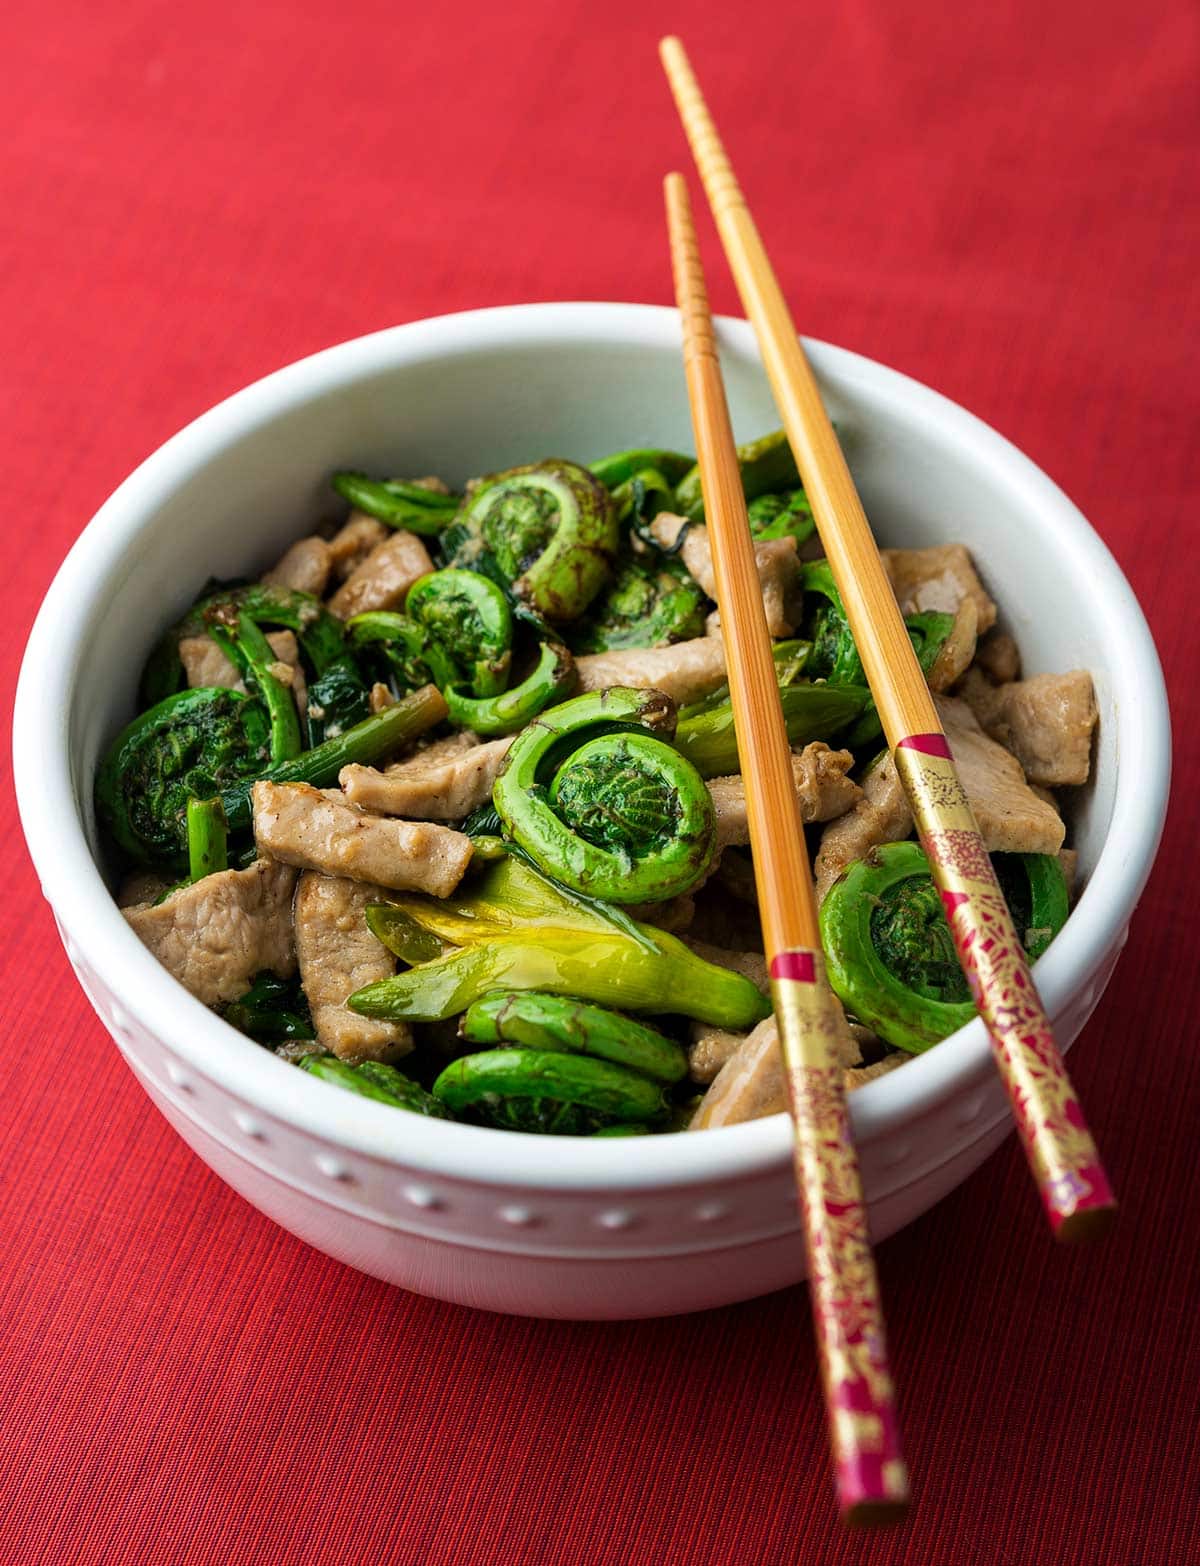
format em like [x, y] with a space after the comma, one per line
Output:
[445, 808]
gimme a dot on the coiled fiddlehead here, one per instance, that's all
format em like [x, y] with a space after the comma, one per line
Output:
[548, 1094]
[645, 605]
[602, 804]
[888, 947]
[469, 620]
[193, 745]
[548, 530]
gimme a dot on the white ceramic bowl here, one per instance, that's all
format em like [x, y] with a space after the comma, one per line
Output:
[556, 1227]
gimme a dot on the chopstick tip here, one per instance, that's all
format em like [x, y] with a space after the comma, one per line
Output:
[668, 46]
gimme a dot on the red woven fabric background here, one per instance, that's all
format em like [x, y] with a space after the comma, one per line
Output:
[1002, 201]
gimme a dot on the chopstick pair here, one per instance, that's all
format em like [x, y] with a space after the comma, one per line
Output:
[1058, 1146]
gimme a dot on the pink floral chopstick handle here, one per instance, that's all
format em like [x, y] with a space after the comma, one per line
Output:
[871, 1477]
[1074, 1188]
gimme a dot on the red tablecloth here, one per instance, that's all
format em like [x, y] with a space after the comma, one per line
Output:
[1000, 200]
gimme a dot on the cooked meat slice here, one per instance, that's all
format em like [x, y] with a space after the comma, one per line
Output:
[383, 579]
[709, 1049]
[305, 567]
[1011, 817]
[1046, 721]
[685, 671]
[938, 578]
[880, 816]
[381, 698]
[430, 482]
[1068, 858]
[859, 1076]
[822, 787]
[321, 830]
[433, 785]
[141, 886]
[216, 934]
[353, 542]
[751, 1082]
[776, 559]
[751, 965]
[999, 657]
[957, 650]
[338, 955]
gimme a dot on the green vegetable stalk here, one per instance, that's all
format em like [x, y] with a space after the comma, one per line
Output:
[399, 505]
[367, 742]
[811, 712]
[551, 1022]
[251, 654]
[319, 633]
[621, 466]
[602, 804]
[207, 834]
[766, 464]
[374, 1079]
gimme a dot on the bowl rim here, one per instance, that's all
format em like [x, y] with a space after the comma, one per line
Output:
[99, 937]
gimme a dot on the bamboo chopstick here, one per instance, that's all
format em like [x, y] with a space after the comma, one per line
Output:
[1065, 1164]
[871, 1479]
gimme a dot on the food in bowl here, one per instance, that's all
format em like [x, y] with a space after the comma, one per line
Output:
[488, 737]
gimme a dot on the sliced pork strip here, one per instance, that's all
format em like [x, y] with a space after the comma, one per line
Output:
[684, 671]
[999, 657]
[956, 652]
[353, 542]
[822, 787]
[338, 955]
[305, 567]
[776, 559]
[1046, 721]
[215, 935]
[319, 829]
[142, 886]
[751, 1082]
[430, 787]
[383, 579]
[1012, 819]
[938, 578]
[859, 1076]
[708, 1050]
[880, 816]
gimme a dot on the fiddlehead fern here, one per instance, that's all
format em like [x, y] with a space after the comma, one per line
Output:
[469, 620]
[706, 733]
[767, 466]
[889, 951]
[605, 806]
[193, 745]
[548, 530]
[647, 604]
